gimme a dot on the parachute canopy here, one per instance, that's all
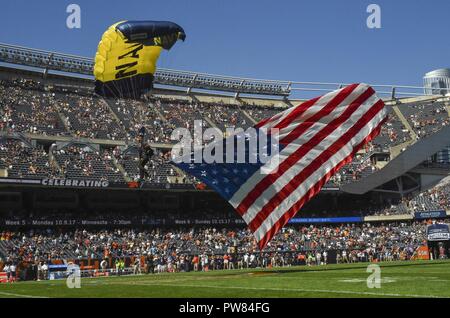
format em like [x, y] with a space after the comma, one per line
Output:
[127, 53]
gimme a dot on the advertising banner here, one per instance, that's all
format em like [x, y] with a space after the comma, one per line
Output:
[430, 214]
[438, 232]
[351, 219]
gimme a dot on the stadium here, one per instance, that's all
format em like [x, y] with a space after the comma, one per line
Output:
[72, 192]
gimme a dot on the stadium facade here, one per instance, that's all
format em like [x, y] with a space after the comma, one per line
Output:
[391, 169]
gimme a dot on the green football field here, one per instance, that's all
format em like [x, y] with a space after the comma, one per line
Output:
[398, 279]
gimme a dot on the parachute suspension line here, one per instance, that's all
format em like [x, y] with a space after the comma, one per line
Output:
[134, 89]
[114, 90]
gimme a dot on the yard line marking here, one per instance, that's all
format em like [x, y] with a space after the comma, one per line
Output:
[22, 295]
[299, 290]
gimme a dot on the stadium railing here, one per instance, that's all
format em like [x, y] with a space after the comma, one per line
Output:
[48, 60]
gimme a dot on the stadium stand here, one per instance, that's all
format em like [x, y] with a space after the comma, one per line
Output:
[30, 106]
[181, 113]
[27, 107]
[435, 198]
[134, 114]
[392, 133]
[425, 118]
[226, 116]
[88, 116]
[23, 161]
[79, 162]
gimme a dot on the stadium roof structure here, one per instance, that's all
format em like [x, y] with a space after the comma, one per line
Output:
[52, 61]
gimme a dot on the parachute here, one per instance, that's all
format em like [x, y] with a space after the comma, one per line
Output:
[127, 53]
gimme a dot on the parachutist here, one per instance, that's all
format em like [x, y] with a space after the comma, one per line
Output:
[127, 54]
[145, 153]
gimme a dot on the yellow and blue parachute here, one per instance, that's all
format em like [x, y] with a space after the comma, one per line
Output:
[127, 53]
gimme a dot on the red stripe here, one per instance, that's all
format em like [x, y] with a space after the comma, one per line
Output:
[303, 149]
[315, 189]
[314, 166]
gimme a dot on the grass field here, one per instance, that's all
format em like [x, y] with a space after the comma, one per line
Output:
[398, 279]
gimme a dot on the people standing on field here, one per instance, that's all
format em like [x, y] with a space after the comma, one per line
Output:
[195, 263]
[12, 268]
[137, 265]
[344, 257]
[103, 265]
[7, 270]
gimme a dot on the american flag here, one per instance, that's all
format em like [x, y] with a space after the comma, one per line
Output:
[316, 138]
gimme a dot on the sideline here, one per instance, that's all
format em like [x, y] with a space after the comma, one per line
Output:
[21, 295]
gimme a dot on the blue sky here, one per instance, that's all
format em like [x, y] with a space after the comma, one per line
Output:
[299, 40]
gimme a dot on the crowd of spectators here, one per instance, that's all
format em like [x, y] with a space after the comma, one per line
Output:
[89, 117]
[353, 243]
[25, 106]
[436, 198]
[426, 118]
[83, 162]
[181, 113]
[361, 166]
[22, 161]
[392, 133]
[226, 116]
[31, 106]
[135, 114]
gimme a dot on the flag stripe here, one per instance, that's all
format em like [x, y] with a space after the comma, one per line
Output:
[262, 242]
[316, 152]
[300, 152]
[312, 169]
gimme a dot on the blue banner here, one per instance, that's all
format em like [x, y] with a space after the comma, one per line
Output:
[57, 271]
[349, 219]
[430, 214]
